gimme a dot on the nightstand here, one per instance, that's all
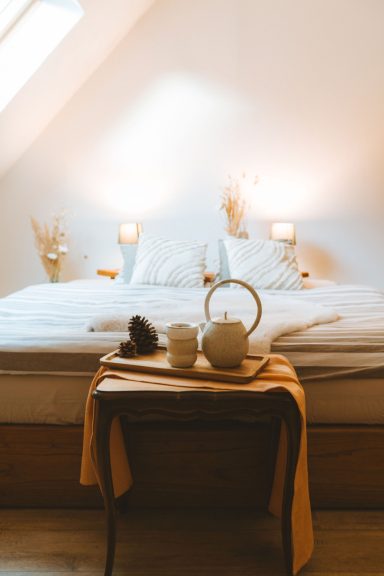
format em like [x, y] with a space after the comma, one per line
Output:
[111, 272]
[184, 400]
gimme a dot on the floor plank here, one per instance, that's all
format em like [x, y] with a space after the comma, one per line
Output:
[184, 542]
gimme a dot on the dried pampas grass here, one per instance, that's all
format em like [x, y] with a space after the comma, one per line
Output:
[51, 244]
[234, 206]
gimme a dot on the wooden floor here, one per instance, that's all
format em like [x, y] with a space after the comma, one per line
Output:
[190, 542]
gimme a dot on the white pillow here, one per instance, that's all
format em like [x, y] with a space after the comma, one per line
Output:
[163, 262]
[265, 264]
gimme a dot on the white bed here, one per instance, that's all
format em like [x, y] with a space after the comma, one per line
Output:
[47, 356]
[47, 359]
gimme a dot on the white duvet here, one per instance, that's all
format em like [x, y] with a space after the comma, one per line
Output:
[344, 358]
[281, 314]
[58, 317]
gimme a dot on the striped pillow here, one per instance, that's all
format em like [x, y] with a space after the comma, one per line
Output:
[265, 264]
[163, 262]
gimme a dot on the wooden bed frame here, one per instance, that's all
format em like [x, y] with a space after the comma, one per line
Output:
[196, 465]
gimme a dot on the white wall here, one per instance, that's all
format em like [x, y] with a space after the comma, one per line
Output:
[66, 68]
[291, 90]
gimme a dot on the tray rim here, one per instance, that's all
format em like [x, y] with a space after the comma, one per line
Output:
[216, 374]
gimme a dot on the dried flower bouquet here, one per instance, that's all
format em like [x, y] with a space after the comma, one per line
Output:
[51, 245]
[234, 206]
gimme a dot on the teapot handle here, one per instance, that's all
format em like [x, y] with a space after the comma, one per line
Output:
[245, 285]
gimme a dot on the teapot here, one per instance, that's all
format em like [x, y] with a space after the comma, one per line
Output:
[225, 341]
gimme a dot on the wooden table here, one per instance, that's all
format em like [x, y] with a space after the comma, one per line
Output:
[188, 406]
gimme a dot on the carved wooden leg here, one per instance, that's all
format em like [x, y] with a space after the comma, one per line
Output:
[272, 452]
[102, 426]
[293, 427]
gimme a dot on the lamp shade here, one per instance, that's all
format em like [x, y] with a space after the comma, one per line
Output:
[129, 232]
[283, 232]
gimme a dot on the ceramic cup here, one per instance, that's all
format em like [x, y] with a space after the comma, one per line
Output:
[181, 344]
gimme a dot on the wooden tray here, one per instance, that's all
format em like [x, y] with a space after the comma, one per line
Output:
[156, 363]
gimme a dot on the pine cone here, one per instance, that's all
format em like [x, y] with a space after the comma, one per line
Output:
[127, 349]
[143, 334]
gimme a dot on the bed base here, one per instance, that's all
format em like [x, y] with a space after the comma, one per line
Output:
[195, 465]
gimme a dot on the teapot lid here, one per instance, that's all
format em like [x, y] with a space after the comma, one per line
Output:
[225, 319]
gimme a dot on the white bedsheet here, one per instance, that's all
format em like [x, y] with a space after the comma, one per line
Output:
[53, 318]
[56, 317]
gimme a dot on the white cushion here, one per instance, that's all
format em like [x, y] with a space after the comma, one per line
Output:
[163, 262]
[264, 264]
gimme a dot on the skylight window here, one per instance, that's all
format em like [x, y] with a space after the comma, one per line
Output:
[29, 31]
[10, 11]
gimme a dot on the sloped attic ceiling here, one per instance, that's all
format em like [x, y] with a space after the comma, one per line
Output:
[103, 26]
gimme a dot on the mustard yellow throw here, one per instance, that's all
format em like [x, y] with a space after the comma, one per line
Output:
[278, 376]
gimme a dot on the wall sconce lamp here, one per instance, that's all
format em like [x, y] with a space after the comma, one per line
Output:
[283, 232]
[129, 232]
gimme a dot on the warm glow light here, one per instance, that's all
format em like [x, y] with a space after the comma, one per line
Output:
[143, 157]
[134, 193]
[29, 40]
[129, 232]
[283, 232]
[286, 198]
